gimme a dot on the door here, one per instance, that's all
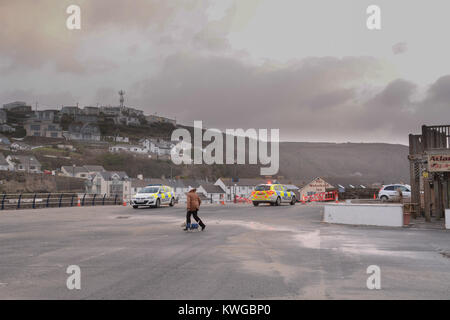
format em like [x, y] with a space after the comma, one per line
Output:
[284, 194]
[164, 196]
[406, 192]
[390, 191]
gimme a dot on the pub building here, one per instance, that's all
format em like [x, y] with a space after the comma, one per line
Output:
[429, 158]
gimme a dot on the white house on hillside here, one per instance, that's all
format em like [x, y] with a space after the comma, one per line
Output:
[4, 165]
[26, 163]
[128, 148]
[242, 188]
[212, 192]
[110, 183]
[81, 172]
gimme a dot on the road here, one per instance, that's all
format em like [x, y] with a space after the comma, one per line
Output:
[245, 252]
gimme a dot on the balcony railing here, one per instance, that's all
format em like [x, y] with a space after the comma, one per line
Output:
[432, 138]
[436, 137]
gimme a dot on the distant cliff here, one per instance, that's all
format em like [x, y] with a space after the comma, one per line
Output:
[372, 162]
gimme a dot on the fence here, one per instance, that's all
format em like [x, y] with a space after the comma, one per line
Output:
[56, 200]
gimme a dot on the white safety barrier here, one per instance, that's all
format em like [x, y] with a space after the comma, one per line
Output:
[447, 218]
[389, 215]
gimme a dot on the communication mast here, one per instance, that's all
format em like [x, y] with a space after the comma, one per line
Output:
[122, 99]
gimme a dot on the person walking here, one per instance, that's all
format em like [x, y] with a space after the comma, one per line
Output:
[193, 204]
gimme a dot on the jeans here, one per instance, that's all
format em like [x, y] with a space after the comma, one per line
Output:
[194, 214]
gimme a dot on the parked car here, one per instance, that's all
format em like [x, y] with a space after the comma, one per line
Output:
[153, 196]
[275, 194]
[392, 192]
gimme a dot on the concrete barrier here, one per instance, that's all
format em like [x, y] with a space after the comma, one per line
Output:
[389, 215]
[447, 218]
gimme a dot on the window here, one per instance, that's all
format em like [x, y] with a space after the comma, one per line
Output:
[149, 190]
[390, 188]
[54, 134]
[262, 188]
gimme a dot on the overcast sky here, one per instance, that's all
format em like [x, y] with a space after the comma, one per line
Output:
[309, 68]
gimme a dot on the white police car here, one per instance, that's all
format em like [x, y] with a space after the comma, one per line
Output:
[153, 196]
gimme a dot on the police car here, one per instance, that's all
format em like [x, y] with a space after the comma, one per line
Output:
[153, 196]
[275, 194]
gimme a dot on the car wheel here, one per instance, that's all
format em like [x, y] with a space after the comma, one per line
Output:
[172, 202]
[293, 201]
[135, 207]
[278, 202]
[158, 203]
[384, 198]
[255, 203]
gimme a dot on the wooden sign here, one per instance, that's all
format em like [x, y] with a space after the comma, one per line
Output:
[438, 163]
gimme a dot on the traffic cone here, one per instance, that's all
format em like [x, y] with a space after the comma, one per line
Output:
[374, 197]
[124, 203]
[79, 203]
[337, 198]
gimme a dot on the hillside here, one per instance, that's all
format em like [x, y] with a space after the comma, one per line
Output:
[298, 160]
[372, 162]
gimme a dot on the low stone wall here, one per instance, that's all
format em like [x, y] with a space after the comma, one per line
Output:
[389, 215]
[22, 182]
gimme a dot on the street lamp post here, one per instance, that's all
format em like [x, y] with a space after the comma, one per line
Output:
[73, 176]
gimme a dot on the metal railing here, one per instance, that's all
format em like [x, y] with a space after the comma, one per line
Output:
[56, 200]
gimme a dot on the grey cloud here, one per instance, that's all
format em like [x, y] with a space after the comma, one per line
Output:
[315, 98]
[333, 98]
[41, 36]
[225, 92]
[107, 96]
[213, 35]
[439, 92]
[46, 100]
[400, 48]
[396, 95]
[436, 105]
